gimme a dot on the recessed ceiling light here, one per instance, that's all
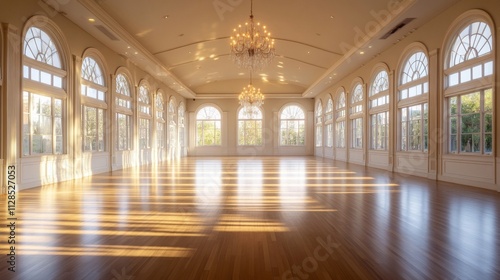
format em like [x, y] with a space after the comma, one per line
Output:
[361, 52]
[128, 47]
[369, 47]
[165, 17]
[91, 20]
[136, 53]
[332, 17]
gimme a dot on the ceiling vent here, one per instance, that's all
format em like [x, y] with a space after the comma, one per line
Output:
[395, 29]
[106, 32]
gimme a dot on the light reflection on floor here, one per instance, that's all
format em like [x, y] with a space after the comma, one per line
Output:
[264, 214]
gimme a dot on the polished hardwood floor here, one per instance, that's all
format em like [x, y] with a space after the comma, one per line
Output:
[254, 218]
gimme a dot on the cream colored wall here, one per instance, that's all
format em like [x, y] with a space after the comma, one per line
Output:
[271, 109]
[437, 164]
[39, 170]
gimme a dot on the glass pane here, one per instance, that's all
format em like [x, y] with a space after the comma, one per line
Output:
[26, 72]
[35, 74]
[57, 82]
[453, 125]
[477, 72]
[488, 68]
[453, 79]
[488, 123]
[453, 106]
[471, 123]
[45, 78]
[488, 100]
[476, 143]
[465, 76]
[470, 103]
[453, 143]
[466, 143]
[488, 144]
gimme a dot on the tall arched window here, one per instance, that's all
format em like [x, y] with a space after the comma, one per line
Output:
[145, 116]
[161, 120]
[356, 117]
[340, 110]
[319, 124]
[292, 126]
[44, 94]
[379, 111]
[412, 105]
[124, 113]
[208, 127]
[93, 90]
[172, 117]
[469, 67]
[250, 128]
[329, 122]
[181, 117]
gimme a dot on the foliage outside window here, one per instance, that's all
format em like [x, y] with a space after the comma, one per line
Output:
[250, 128]
[329, 122]
[379, 130]
[172, 108]
[357, 133]
[144, 105]
[160, 120]
[340, 128]
[124, 113]
[93, 129]
[319, 125]
[471, 122]
[356, 117]
[414, 128]
[292, 126]
[208, 127]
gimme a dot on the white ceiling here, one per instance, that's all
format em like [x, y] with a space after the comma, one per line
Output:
[186, 43]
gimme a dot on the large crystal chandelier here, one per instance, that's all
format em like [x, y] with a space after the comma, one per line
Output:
[251, 45]
[251, 99]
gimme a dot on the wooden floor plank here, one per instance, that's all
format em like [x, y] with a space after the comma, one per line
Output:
[254, 218]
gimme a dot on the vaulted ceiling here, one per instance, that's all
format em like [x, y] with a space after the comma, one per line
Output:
[185, 44]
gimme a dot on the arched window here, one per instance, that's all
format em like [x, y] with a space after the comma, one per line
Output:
[379, 111]
[172, 116]
[356, 117]
[292, 126]
[181, 113]
[412, 105]
[124, 113]
[145, 116]
[340, 109]
[469, 67]
[93, 90]
[208, 127]
[319, 124]
[329, 122]
[44, 94]
[161, 120]
[250, 128]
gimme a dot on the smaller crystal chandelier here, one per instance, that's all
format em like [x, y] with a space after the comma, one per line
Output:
[251, 98]
[251, 45]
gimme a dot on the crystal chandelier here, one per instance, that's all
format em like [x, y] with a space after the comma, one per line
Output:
[251, 98]
[251, 45]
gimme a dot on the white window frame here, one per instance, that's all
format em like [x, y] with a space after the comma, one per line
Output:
[45, 77]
